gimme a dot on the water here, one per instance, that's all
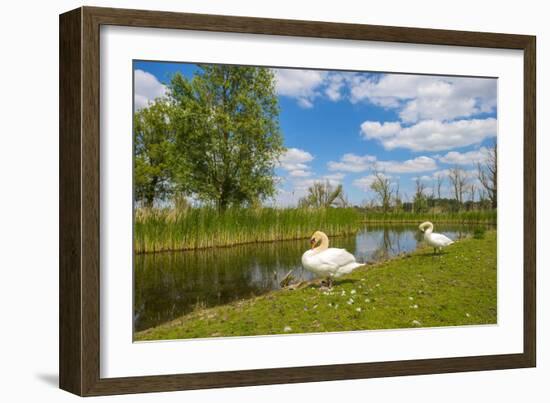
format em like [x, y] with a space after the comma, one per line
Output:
[170, 284]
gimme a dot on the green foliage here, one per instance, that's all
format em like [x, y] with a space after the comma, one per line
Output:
[477, 216]
[227, 137]
[324, 195]
[479, 233]
[152, 154]
[456, 288]
[381, 185]
[195, 228]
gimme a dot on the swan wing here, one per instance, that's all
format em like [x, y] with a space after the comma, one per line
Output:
[441, 239]
[335, 257]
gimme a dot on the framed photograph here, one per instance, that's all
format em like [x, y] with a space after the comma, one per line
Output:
[248, 201]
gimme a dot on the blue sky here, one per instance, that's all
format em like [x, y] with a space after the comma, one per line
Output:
[341, 126]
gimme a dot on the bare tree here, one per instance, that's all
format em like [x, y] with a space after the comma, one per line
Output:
[457, 177]
[487, 174]
[482, 195]
[419, 201]
[397, 201]
[439, 178]
[323, 194]
[471, 189]
[381, 185]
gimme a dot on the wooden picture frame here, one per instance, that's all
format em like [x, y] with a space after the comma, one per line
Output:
[79, 317]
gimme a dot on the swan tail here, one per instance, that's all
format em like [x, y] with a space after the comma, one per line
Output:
[348, 268]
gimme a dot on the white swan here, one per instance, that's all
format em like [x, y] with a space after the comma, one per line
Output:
[435, 240]
[327, 262]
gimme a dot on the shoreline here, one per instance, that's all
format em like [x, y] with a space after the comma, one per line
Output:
[390, 222]
[268, 313]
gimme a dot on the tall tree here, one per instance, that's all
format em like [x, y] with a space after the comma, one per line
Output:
[152, 149]
[458, 180]
[420, 203]
[471, 190]
[227, 137]
[397, 201]
[323, 195]
[381, 185]
[487, 174]
[439, 178]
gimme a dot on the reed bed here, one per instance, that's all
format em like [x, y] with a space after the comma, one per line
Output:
[159, 230]
[462, 217]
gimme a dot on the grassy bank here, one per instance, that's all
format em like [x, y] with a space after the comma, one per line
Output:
[461, 217]
[414, 290]
[194, 228]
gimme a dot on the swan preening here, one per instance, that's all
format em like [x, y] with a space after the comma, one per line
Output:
[327, 262]
[435, 240]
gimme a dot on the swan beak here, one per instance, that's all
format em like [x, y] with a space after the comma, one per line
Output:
[312, 241]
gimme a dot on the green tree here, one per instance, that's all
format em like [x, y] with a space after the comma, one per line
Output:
[227, 137]
[152, 151]
[324, 195]
[420, 201]
[382, 186]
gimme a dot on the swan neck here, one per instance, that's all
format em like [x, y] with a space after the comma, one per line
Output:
[323, 245]
[430, 228]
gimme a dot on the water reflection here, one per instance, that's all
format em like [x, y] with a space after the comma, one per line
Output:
[170, 284]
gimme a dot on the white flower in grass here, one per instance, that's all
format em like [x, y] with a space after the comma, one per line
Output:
[353, 291]
[367, 300]
[411, 298]
[358, 309]
[350, 301]
[416, 323]
[287, 329]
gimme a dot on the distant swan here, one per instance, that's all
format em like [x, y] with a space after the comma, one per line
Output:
[435, 240]
[327, 262]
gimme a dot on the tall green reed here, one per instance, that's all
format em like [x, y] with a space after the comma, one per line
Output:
[196, 228]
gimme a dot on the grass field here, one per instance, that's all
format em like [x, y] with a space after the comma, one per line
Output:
[419, 289]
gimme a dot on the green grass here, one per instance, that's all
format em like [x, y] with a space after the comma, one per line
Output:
[196, 228]
[480, 217]
[419, 289]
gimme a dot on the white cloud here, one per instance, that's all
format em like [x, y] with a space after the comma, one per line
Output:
[352, 163]
[357, 163]
[419, 97]
[365, 182]
[430, 135]
[467, 158]
[286, 198]
[443, 173]
[146, 89]
[299, 173]
[336, 177]
[418, 164]
[295, 160]
[335, 83]
[414, 97]
[304, 85]
[379, 130]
